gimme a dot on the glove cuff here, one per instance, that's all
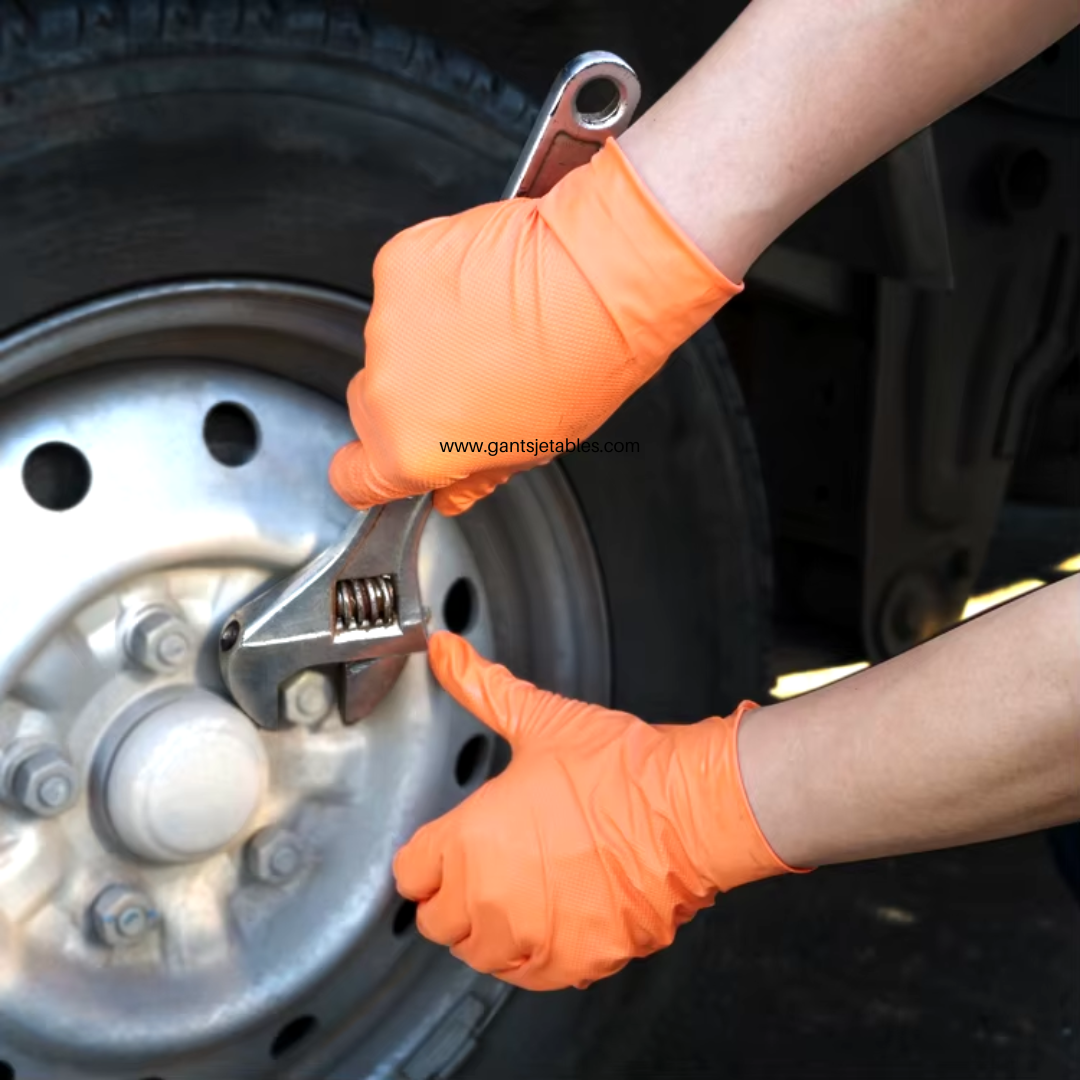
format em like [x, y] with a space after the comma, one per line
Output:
[656, 284]
[742, 853]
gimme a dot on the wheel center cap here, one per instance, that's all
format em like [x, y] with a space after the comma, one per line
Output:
[186, 780]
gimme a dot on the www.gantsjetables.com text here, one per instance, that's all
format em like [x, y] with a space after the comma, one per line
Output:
[538, 447]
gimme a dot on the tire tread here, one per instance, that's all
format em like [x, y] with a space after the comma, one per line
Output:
[61, 35]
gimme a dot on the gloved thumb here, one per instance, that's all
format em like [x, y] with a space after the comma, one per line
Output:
[356, 480]
[511, 707]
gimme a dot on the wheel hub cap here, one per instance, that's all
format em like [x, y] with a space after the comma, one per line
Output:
[187, 780]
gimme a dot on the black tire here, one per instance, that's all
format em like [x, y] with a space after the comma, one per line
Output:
[144, 142]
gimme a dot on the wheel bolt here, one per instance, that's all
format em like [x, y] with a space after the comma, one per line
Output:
[172, 649]
[56, 792]
[307, 698]
[274, 855]
[159, 641]
[45, 782]
[123, 916]
[131, 923]
[285, 861]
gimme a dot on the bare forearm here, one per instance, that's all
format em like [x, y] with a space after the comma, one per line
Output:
[799, 95]
[972, 736]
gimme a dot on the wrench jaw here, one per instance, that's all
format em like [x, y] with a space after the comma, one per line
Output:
[364, 683]
[355, 607]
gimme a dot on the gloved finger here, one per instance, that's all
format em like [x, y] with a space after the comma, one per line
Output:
[528, 976]
[356, 480]
[492, 945]
[458, 497]
[511, 707]
[418, 865]
[535, 976]
[444, 918]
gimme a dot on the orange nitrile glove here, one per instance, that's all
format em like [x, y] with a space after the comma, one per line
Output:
[601, 838]
[524, 320]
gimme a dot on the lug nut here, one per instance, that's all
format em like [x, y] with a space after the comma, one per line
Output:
[307, 698]
[159, 641]
[45, 783]
[273, 855]
[123, 916]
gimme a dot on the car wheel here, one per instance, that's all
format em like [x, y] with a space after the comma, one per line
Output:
[191, 198]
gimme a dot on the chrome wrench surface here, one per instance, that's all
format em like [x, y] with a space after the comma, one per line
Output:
[565, 135]
[355, 608]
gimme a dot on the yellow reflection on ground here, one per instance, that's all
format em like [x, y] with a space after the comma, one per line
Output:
[978, 604]
[1069, 566]
[801, 682]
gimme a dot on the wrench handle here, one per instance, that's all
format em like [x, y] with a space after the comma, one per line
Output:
[566, 134]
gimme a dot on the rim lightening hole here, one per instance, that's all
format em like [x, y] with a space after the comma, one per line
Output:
[56, 476]
[470, 757]
[459, 606]
[404, 918]
[294, 1032]
[231, 434]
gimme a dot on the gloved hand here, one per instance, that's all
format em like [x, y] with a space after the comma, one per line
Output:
[524, 320]
[600, 839]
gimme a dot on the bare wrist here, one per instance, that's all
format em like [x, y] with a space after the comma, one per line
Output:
[730, 239]
[771, 763]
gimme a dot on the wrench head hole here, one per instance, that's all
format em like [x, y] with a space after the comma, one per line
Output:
[598, 101]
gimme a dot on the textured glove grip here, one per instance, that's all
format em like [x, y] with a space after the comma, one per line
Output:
[653, 280]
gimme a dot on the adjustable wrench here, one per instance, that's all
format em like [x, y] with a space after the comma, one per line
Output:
[355, 608]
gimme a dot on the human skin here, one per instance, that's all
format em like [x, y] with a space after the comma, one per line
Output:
[972, 736]
[799, 95]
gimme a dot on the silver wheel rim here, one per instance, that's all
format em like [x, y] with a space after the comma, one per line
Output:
[275, 944]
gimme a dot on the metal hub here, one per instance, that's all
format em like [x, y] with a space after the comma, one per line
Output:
[180, 891]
